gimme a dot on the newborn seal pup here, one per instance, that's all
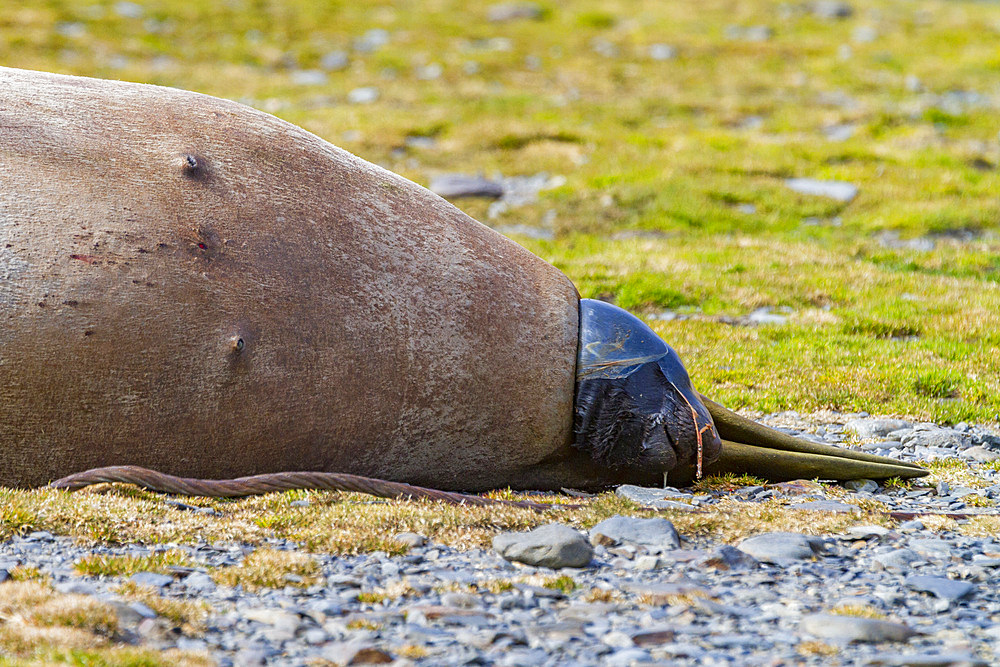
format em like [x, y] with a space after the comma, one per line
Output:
[197, 287]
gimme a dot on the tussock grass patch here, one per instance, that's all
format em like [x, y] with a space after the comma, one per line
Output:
[36, 618]
[859, 610]
[102, 565]
[188, 615]
[270, 568]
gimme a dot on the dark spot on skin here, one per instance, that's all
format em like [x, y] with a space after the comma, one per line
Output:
[72, 303]
[203, 246]
[41, 304]
[89, 259]
[194, 167]
[142, 251]
[88, 332]
[162, 246]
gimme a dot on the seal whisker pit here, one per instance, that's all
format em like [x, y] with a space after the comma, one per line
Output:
[386, 341]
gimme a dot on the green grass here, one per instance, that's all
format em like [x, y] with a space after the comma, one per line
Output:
[660, 159]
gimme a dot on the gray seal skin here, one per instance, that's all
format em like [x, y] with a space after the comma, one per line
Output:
[190, 285]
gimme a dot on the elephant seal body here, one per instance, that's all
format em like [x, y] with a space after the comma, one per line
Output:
[191, 285]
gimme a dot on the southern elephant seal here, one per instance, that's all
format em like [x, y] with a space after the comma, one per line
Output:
[194, 286]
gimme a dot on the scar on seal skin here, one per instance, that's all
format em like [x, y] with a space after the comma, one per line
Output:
[385, 333]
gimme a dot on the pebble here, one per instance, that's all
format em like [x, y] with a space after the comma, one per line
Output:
[839, 190]
[831, 9]
[780, 548]
[874, 428]
[553, 545]
[705, 603]
[655, 535]
[855, 628]
[151, 579]
[942, 587]
[513, 11]
[456, 186]
[365, 95]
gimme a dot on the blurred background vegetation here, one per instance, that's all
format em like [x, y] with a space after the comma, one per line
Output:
[647, 147]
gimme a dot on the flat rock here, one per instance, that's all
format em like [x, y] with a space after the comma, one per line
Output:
[855, 628]
[727, 558]
[825, 506]
[553, 545]
[779, 548]
[861, 485]
[653, 497]
[874, 428]
[839, 190]
[954, 659]
[942, 587]
[355, 653]
[654, 534]
[151, 579]
[513, 11]
[898, 560]
[412, 540]
[455, 186]
[831, 9]
[944, 438]
[867, 532]
[980, 454]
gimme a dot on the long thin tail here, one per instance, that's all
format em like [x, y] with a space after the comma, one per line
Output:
[279, 481]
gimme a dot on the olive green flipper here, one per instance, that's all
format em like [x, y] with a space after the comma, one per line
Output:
[755, 449]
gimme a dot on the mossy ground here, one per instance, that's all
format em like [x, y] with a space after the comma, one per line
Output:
[674, 198]
[674, 170]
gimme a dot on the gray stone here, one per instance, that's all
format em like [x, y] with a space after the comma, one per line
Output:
[412, 540]
[372, 40]
[874, 428]
[199, 581]
[839, 190]
[726, 558]
[980, 454]
[662, 51]
[898, 560]
[864, 34]
[364, 95]
[953, 659]
[513, 11]
[944, 438]
[855, 628]
[334, 61]
[358, 652]
[454, 186]
[655, 535]
[553, 545]
[309, 77]
[861, 485]
[779, 548]
[942, 587]
[867, 532]
[656, 498]
[831, 9]
[825, 506]
[151, 579]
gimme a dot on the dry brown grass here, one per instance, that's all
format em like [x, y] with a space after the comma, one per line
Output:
[187, 615]
[353, 523]
[34, 618]
[859, 610]
[117, 566]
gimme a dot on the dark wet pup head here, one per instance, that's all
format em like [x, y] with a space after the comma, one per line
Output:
[635, 407]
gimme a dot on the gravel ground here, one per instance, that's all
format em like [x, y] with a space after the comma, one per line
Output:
[904, 595]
